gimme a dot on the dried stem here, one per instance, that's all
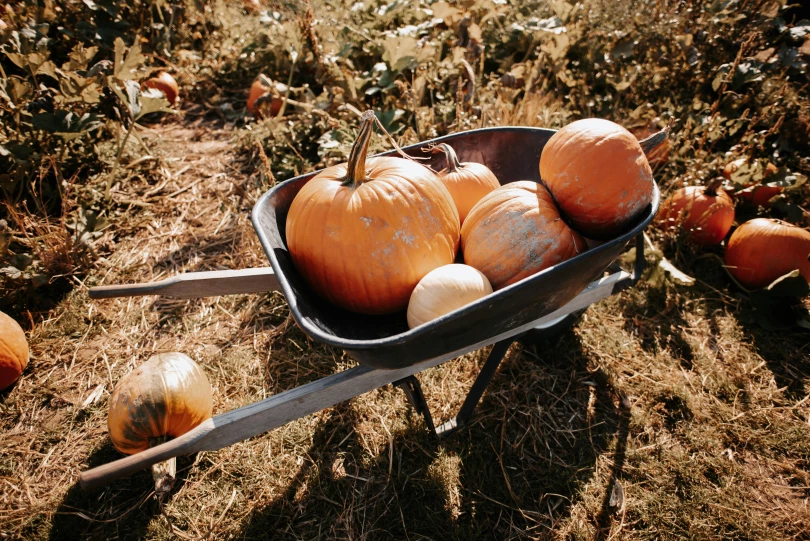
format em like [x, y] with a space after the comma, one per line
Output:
[356, 173]
[652, 142]
[453, 164]
[164, 473]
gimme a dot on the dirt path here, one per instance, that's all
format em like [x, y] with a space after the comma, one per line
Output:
[196, 218]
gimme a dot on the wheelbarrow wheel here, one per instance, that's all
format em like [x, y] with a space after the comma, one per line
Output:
[550, 330]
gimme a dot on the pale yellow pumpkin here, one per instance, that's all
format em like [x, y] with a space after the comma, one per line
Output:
[443, 290]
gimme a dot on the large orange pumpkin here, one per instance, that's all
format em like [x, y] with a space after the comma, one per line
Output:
[599, 176]
[166, 396]
[761, 250]
[516, 231]
[13, 351]
[363, 234]
[467, 182]
[705, 212]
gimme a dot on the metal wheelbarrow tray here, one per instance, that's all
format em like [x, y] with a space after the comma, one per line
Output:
[384, 346]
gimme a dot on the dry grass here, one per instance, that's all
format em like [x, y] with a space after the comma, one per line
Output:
[699, 415]
[672, 396]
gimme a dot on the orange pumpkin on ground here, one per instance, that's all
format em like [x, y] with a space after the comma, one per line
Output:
[467, 182]
[759, 195]
[761, 250]
[732, 167]
[362, 234]
[706, 212]
[263, 98]
[166, 396]
[166, 84]
[163, 398]
[599, 176]
[13, 351]
[516, 231]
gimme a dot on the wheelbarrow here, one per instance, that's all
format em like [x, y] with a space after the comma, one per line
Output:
[386, 350]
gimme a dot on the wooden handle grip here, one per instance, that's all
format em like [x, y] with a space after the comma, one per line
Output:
[105, 474]
[193, 285]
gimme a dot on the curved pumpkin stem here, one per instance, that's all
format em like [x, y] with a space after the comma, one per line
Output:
[652, 142]
[163, 473]
[356, 174]
[711, 189]
[453, 164]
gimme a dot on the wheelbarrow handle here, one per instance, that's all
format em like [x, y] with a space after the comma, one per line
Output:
[192, 285]
[277, 410]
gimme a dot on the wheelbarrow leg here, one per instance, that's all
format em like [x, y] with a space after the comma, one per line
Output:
[413, 390]
[496, 355]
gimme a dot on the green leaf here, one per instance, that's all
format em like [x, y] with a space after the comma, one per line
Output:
[50, 122]
[65, 124]
[153, 101]
[677, 275]
[125, 67]
[48, 68]
[74, 87]
[133, 92]
[19, 60]
[12, 272]
[400, 52]
[80, 58]
[16, 151]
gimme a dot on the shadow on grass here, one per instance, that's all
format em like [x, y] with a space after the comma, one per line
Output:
[613, 500]
[786, 351]
[122, 510]
[658, 325]
[514, 470]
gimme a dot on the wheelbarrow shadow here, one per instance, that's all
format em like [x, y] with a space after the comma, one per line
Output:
[515, 469]
[122, 510]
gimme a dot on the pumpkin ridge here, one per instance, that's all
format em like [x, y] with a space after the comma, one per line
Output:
[407, 258]
[428, 225]
[6, 349]
[327, 277]
[355, 272]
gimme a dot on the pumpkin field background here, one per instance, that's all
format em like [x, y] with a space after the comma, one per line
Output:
[678, 409]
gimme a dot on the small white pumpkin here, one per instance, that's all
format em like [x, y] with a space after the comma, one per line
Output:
[443, 290]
